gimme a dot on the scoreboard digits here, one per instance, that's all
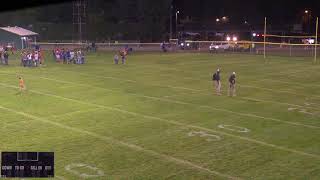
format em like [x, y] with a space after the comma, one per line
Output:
[27, 164]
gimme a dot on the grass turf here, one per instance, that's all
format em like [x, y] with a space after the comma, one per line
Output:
[157, 117]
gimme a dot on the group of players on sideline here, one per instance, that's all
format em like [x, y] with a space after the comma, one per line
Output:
[123, 53]
[217, 83]
[67, 56]
[32, 58]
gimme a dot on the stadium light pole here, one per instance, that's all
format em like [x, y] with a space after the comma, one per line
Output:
[316, 41]
[307, 18]
[264, 37]
[177, 12]
[171, 7]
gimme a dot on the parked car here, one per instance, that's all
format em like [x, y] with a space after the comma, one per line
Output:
[187, 45]
[216, 47]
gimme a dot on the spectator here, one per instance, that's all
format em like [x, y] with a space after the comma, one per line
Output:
[6, 57]
[116, 59]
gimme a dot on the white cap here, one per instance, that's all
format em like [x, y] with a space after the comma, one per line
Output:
[234, 73]
[218, 70]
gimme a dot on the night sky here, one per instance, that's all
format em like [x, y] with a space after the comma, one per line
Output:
[149, 20]
[277, 11]
[253, 11]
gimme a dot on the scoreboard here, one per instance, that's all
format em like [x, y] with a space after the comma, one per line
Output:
[27, 164]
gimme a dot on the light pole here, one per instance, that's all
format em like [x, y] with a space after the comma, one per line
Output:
[307, 20]
[171, 7]
[177, 12]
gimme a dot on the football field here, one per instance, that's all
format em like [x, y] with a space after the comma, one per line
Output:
[158, 117]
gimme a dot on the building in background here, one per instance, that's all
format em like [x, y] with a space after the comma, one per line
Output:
[17, 37]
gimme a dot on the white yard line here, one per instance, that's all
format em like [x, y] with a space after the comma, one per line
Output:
[74, 112]
[197, 79]
[209, 107]
[285, 73]
[60, 177]
[105, 77]
[205, 93]
[205, 106]
[278, 91]
[261, 88]
[122, 143]
[182, 88]
[302, 153]
[197, 90]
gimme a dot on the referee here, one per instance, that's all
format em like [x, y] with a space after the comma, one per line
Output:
[217, 83]
[232, 85]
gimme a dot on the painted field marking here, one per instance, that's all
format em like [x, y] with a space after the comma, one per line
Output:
[290, 83]
[122, 143]
[196, 90]
[245, 98]
[182, 88]
[202, 106]
[159, 119]
[66, 87]
[204, 61]
[279, 91]
[167, 96]
[71, 168]
[290, 92]
[60, 177]
[74, 112]
[209, 137]
[234, 128]
[214, 108]
[304, 111]
[236, 62]
[105, 77]
[267, 89]
[261, 88]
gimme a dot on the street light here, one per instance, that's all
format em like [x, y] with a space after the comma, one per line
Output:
[177, 12]
[306, 11]
[217, 20]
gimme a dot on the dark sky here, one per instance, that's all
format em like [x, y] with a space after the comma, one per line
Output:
[277, 11]
[253, 11]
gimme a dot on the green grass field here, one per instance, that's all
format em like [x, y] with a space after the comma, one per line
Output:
[158, 117]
